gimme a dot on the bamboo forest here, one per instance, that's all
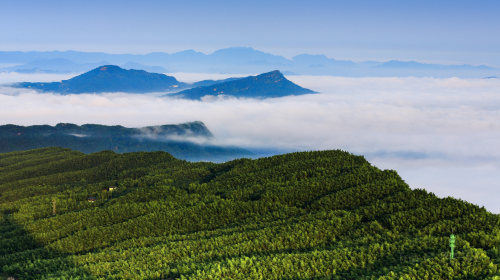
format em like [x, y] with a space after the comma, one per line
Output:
[304, 215]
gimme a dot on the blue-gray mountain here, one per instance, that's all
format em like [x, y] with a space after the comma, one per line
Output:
[267, 85]
[240, 60]
[394, 64]
[212, 82]
[65, 66]
[189, 141]
[54, 66]
[137, 66]
[110, 78]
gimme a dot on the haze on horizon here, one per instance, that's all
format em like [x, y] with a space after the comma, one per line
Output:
[440, 134]
[442, 32]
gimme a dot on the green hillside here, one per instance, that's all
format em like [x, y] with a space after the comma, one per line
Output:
[309, 215]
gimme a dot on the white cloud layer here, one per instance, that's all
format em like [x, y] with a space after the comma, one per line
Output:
[439, 134]
[13, 77]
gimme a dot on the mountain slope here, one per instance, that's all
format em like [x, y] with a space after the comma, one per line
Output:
[55, 65]
[137, 66]
[248, 60]
[190, 141]
[310, 215]
[243, 55]
[205, 83]
[110, 78]
[423, 66]
[267, 85]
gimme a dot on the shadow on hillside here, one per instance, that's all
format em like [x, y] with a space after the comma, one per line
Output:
[22, 257]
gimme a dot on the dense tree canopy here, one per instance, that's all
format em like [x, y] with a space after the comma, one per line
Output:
[91, 138]
[309, 215]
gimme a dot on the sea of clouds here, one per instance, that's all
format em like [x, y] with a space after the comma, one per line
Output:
[438, 134]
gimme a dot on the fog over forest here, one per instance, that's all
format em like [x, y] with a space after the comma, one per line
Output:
[437, 133]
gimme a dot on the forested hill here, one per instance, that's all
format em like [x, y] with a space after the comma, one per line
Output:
[190, 141]
[309, 215]
[110, 78]
[212, 82]
[192, 129]
[267, 85]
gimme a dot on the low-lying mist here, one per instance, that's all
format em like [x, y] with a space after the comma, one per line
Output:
[439, 134]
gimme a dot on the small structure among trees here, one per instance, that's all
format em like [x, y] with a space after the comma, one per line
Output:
[91, 199]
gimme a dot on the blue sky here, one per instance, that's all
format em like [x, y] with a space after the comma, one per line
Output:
[450, 32]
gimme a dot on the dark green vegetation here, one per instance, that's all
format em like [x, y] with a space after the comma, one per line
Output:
[91, 138]
[267, 85]
[310, 215]
[110, 78]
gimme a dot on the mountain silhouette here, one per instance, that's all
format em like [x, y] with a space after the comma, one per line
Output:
[110, 78]
[267, 85]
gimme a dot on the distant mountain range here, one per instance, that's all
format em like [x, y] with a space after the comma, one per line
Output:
[137, 66]
[189, 141]
[65, 66]
[232, 60]
[110, 78]
[416, 65]
[267, 85]
[56, 65]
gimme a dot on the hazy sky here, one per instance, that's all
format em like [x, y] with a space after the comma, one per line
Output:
[451, 31]
[438, 134]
